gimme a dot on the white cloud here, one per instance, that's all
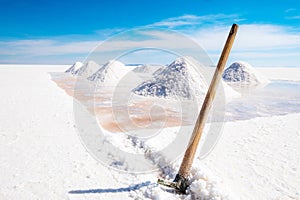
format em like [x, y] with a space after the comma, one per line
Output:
[290, 10]
[254, 37]
[45, 47]
[254, 42]
[185, 20]
[293, 17]
[261, 45]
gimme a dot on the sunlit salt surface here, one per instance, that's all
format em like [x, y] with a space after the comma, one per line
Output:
[277, 98]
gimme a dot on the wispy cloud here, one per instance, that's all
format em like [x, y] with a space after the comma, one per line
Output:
[108, 32]
[293, 17]
[292, 14]
[45, 47]
[189, 20]
[256, 43]
[290, 10]
[250, 37]
[101, 51]
[45, 51]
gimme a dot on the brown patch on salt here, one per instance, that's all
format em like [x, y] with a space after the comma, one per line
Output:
[137, 115]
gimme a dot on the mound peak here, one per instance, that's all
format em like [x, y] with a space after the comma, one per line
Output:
[110, 73]
[74, 67]
[179, 79]
[88, 69]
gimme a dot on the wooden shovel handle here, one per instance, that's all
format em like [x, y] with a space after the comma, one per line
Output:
[189, 155]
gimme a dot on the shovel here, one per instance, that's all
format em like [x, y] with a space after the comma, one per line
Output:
[180, 182]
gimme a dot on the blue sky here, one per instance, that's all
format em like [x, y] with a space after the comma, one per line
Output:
[62, 32]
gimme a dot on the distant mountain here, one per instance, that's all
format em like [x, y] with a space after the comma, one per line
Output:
[244, 75]
[74, 67]
[179, 80]
[88, 69]
[110, 73]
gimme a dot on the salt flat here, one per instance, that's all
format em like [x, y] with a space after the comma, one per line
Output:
[281, 73]
[42, 157]
[41, 154]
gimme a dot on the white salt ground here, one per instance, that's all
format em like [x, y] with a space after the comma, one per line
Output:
[280, 73]
[41, 156]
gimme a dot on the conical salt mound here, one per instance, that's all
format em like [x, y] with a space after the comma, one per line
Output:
[244, 75]
[179, 80]
[110, 73]
[74, 67]
[88, 69]
[146, 68]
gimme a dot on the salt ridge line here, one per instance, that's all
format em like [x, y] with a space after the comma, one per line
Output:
[87, 69]
[74, 67]
[110, 73]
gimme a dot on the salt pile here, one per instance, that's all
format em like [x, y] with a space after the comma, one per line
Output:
[229, 92]
[179, 80]
[110, 73]
[146, 68]
[74, 67]
[88, 69]
[159, 70]
[204, 185]
[243, 75]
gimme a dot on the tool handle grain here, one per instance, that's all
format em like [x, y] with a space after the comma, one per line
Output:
[189, 155]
